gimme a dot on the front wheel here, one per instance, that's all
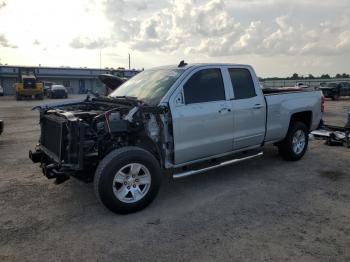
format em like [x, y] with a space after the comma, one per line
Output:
[127, 180]
[294, 146]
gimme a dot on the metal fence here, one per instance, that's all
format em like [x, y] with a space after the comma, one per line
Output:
[291, 82]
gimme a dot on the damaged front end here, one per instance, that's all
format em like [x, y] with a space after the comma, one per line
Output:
[76, 136]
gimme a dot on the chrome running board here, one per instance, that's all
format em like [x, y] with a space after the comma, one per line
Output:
[225, 163]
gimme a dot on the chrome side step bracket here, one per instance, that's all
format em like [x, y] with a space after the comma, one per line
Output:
[225, 163]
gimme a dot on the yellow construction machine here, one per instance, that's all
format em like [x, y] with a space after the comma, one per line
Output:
[28, 85]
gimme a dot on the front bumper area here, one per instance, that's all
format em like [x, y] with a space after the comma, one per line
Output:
[30, 92]
[54, 170]
[50, 169]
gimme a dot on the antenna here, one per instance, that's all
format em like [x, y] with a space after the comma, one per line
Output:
[182, 63]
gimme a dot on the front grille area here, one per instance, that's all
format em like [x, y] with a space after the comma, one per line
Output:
[29, 84]
[53, 134]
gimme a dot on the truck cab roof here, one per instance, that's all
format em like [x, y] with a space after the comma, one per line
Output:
[196, 65]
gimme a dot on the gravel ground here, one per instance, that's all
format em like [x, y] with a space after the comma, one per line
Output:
[265, 209]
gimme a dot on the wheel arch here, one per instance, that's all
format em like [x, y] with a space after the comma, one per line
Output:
[304, 117]
[150, 146]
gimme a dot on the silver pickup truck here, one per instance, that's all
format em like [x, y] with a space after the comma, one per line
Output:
[185, 119]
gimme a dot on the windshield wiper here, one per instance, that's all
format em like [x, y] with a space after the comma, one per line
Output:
[131, 100]
[126, 97]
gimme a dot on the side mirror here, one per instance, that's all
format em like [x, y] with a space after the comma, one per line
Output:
[179, 99]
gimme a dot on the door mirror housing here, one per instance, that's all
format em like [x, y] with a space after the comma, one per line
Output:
[179, 100]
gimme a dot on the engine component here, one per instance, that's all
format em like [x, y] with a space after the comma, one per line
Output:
[153, 128]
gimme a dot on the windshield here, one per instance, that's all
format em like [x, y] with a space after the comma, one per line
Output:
[149, 86]
[58, 88]
[332, 85]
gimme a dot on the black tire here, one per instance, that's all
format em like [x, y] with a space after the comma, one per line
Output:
[18, 97]
[111, 164]
[285, 147]
[39, 97]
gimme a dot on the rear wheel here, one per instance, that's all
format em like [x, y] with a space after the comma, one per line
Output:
[127, 180]
[40, 96]
[294, 146]
[18, 97]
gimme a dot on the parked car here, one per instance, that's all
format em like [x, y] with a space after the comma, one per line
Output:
[1, 91]
[171, 118]
[57, 91]
[335, 91]
[111, 82]
[1, 126]
[47, 87]
[301, 85]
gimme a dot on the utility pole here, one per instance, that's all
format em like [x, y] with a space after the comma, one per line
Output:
[129, 61]
[100, 60]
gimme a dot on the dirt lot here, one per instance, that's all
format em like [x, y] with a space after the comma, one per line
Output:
[261, 210]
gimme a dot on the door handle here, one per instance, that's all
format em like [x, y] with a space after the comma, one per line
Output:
[257, 106]
[223, 109]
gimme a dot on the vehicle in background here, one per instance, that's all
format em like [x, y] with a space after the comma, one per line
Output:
[301, 85]
[47, 86]
[111, 82]
[335, 90]
[171, 119]
[57, 91]
[1, 91]
[1, 126]
[28, 85]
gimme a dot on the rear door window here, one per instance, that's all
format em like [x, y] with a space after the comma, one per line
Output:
[204, 86]
[242, 83]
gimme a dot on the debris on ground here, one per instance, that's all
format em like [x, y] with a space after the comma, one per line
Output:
[334, 135]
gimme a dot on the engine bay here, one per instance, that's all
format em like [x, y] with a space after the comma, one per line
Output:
[92, 128]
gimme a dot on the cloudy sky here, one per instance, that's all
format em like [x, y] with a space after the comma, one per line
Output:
[278, 37]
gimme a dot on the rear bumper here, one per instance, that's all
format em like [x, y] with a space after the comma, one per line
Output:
[58, 95]
[329, 93]
[30, 92]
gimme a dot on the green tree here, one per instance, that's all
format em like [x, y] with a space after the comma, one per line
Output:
[325, 76]
[295, 76]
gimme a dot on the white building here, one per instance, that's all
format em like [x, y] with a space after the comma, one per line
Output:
[76, 80]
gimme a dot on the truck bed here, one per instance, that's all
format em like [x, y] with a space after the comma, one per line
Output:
[277, 90]
[281, 105]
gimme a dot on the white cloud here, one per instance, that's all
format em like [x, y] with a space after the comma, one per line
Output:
[2, 4]
[344, 41]
[210, 28]
[88, 43]
[260, 32]
[4, 42]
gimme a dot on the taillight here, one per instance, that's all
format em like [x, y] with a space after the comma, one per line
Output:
[322, 105]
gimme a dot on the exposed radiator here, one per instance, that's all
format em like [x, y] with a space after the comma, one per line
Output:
[53, 135]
